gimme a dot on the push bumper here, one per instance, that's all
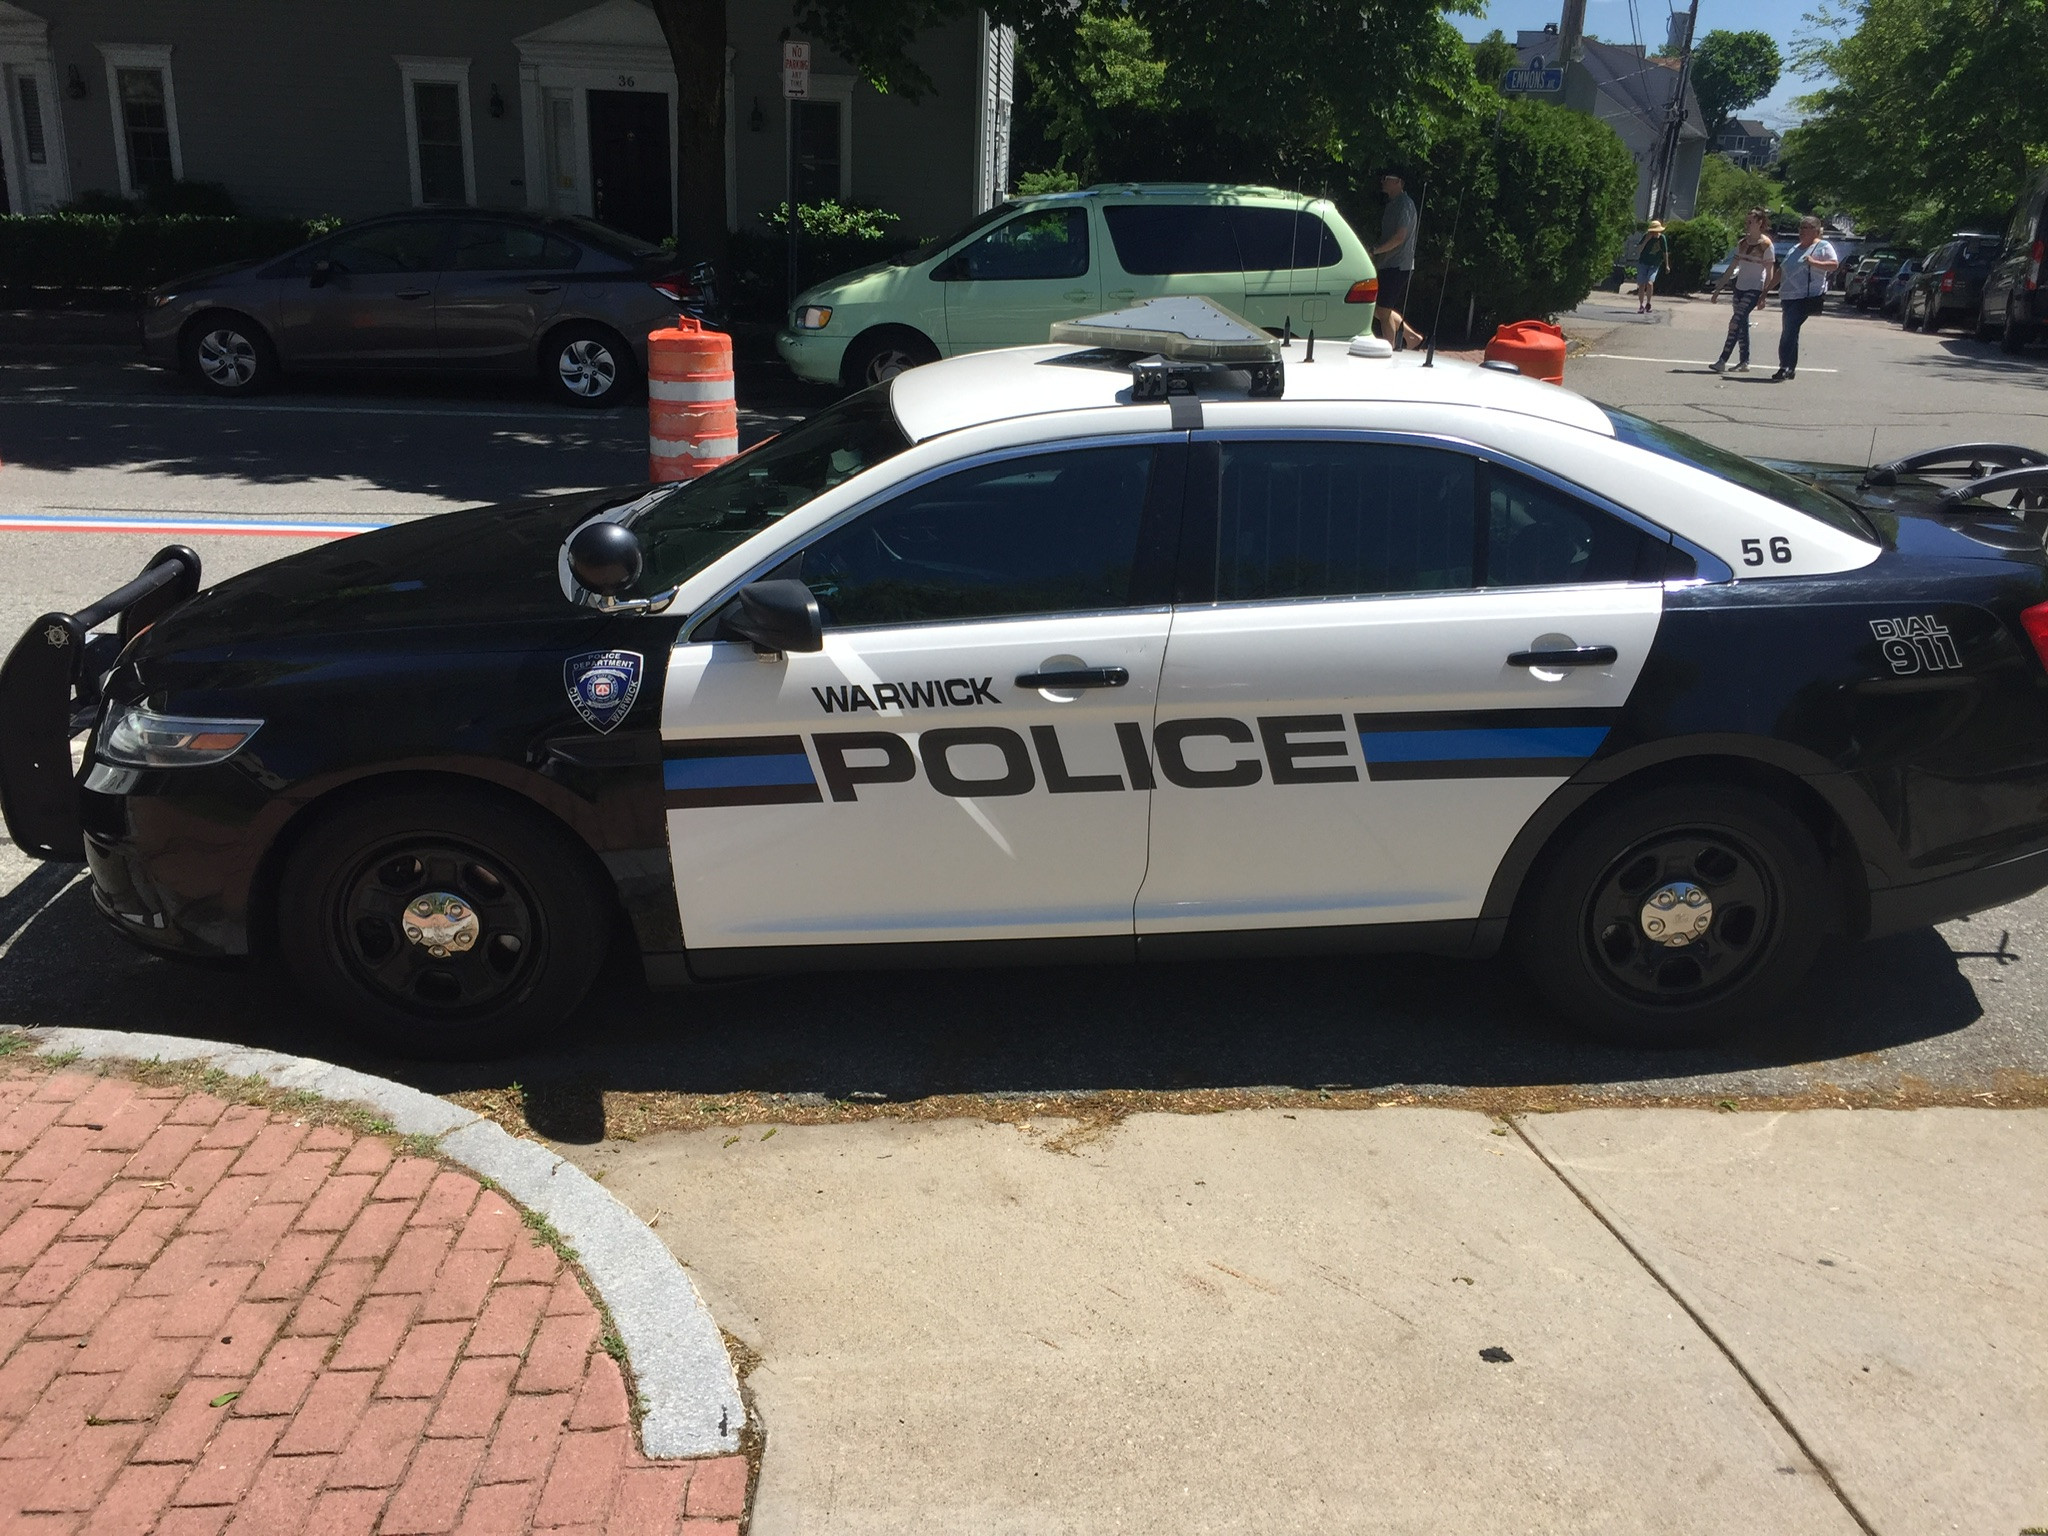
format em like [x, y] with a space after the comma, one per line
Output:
[1920, 905]
[50, 694]
[811, 355]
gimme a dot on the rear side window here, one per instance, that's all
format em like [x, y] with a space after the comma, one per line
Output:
[495, 247]
[1045, 243]
[1331, 519]
[1051, 533]
[1537, 536]
[1269, 239]
[1166, 239]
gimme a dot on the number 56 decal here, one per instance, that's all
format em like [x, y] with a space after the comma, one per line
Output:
[1753, 551]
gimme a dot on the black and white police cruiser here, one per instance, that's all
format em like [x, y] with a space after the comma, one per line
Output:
[1164, 639]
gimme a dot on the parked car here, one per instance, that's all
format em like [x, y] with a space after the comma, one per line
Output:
[1947, 289]
[1865, 285]
[1895, 291]
[458, 289]
[1276, 258]
[2013, 307]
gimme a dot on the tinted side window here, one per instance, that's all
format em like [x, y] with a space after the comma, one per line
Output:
[1165, 239]
[412, 246]
[1326, 519]
[1539, 537]
[1053, 533]
[494, 247]
[1269, 239]
[1046, 243]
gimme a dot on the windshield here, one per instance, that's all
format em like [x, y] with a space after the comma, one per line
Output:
[1670, 443]
[613, 242]
[932, 248]
[686, 529]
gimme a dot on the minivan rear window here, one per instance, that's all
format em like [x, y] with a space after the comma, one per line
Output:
[1269, 239]
[1170, 238]
[1670, 443]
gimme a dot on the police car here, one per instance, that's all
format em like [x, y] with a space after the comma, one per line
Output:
[1165, 639]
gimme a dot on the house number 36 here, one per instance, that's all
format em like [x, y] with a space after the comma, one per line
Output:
[626, 82]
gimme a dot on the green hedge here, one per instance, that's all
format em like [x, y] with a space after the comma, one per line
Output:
[71, 251]
[1696, 244]
[832, 238]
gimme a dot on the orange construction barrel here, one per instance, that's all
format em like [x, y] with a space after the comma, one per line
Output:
[1534, 346]
[692, 422]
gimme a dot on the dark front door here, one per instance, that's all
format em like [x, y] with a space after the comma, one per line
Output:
[629, 169]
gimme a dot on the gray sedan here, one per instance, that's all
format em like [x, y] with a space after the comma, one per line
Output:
[464, 290]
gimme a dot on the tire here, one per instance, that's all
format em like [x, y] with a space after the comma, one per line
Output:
[589, 365]
[2012, 336]
[524, 895]
[1580, 930]
[1908, 317]
[229, 354]
[878, 355]
[1983, 330]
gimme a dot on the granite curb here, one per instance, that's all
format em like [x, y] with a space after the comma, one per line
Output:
[688, 1388]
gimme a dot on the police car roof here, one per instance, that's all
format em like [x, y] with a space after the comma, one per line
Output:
[983, 387]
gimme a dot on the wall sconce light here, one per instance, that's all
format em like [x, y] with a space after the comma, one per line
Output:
[497, 108]
[757, 119]
[75, 88]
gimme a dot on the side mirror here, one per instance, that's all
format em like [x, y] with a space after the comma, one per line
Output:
[605, 558]
[321, 275]
[777, 616]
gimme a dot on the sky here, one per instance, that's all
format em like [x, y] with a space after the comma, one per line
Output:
[1608, 20]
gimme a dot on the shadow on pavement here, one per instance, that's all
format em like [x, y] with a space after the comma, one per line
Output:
[1364, 1023]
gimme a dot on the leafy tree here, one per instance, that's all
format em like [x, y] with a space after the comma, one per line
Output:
[1731, 70]
[1493, 56]
[1728, 192]
[1933, 114]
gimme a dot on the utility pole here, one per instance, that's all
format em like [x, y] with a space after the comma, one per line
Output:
[1667, 160]
[1570, 32]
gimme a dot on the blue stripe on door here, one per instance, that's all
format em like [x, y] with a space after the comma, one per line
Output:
[1579, 741]
[737, 770]
[732, 772]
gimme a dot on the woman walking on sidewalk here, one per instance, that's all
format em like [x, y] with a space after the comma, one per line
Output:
[1650, 259]
[1802, 289]
[1751, 270]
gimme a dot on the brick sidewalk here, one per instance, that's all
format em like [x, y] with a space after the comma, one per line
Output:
[215, 1317]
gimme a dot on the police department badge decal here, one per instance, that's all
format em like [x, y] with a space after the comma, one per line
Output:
[602, 686]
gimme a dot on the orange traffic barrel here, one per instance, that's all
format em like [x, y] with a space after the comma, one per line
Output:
[692, 422]
[1536, 347]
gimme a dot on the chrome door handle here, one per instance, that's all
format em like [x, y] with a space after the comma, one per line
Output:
[543, 287]
[1576, 656]
[1075, 677]
[413, 293]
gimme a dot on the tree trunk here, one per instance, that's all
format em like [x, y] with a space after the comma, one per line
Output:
[695, 30]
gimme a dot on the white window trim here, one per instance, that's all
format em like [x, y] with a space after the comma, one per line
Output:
[416, 70]
[839, 89]
[157, 56]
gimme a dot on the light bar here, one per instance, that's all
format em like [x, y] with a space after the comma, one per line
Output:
[1180, 328]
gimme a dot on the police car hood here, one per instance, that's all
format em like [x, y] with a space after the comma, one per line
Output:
[484, 578]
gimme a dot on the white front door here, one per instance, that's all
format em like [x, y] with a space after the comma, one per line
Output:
[1353, 731]
[965, 759]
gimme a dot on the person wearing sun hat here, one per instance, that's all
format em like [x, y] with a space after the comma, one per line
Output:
[1650, 262]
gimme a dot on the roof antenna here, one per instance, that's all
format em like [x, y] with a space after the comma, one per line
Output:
[1310, 355]
[1450, 246]
[1870, 462]
[1287, 332]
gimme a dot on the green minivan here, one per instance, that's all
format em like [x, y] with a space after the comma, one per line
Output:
[1275, 257]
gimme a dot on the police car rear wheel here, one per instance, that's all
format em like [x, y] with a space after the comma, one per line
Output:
[1676, 916]
[442, 925]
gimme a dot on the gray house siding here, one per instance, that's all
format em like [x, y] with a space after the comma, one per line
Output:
[299, 107]
[1632, 95]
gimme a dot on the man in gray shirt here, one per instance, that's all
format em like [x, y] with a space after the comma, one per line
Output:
[1394, 256]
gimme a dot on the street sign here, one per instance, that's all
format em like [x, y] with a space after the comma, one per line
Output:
[1533, 81]
[796, 70]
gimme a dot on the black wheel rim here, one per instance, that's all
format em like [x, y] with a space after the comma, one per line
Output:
[1720, 940]
[409, 898]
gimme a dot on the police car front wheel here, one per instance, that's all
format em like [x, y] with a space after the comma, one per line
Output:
[442, 925]
[1676, 916]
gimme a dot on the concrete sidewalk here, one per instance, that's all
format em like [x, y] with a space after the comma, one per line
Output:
[1396, 1320]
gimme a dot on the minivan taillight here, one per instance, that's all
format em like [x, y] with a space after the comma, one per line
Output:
[2034, 270]
[676, 287]
[1366, 291]
[1948, 282]
[2034, 621]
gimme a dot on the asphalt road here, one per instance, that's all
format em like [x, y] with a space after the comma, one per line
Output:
[1931, 1015]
